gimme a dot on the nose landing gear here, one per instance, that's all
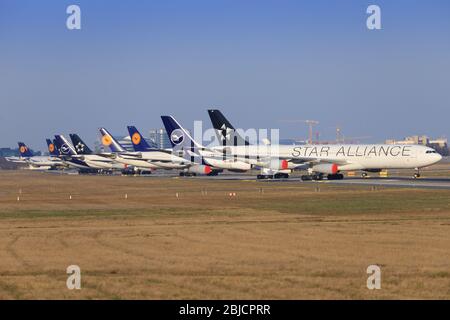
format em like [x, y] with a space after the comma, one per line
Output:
[417, 174]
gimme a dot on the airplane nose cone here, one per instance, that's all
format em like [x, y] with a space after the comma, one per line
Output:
[438, 157]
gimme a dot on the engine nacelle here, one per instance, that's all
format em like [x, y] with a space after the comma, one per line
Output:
[239, 166]
[327, 168]
[199, 169]
[277, 165]
[298, 166]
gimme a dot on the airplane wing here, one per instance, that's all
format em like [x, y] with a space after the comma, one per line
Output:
[316, 160]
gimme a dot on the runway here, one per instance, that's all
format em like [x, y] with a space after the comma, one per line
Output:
[398, 182]
[393, 181]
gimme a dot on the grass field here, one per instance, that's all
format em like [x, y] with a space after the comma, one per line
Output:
[135, 238]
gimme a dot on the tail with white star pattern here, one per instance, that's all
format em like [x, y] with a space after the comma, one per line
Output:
[79, 145]
[226, 133]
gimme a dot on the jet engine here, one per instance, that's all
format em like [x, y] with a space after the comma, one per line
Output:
[277, 164]
[327, 168]
[199, 169]
[238, 166]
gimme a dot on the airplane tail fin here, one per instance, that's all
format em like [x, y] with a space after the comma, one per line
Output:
[109, 141]
[24, 150]
[64, 146]
[79, 145]
[183, 142]
[138, 140]
[225, 131]
[52, 148]
[178, 136]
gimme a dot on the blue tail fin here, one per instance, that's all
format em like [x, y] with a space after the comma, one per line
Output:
[64, 146]
[109, 141]
[52, 148]
[24, 150]
[178, 136]
[138, 140]
[181, 140]
[80, 146]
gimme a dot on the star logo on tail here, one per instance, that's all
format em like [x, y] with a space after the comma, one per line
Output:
[225, 132]
[79, 147]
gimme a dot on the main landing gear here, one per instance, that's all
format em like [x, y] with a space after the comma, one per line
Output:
[314, 176]
[187, 174]
[319, 176]
[337, 176]
[272, 176]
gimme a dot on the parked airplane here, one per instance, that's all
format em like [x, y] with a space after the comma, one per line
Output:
[330, 160]
[181, 140]
[69, 156]
[121, 155]
[268, 162]
[35, 162]
[95, 161]
[166, 159]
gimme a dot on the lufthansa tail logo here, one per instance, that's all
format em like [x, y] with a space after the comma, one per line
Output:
[177, 136]
[65, 149]
[136, 138]
[106, 140]
[51, 147]
[23, 149]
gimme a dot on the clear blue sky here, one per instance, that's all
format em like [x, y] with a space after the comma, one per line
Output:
[259, 61]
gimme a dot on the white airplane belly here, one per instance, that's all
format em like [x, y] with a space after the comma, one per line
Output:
[136, 163]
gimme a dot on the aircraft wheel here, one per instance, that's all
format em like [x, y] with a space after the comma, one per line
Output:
[416, 175]
[318, 176]
[338, 176]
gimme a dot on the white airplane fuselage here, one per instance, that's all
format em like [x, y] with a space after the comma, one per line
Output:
[138, 163]
[38, 161]
[98, 162]
[165, 160]
[346, 157]
[147, 160]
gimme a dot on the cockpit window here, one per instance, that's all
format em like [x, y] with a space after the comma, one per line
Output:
[431, 151]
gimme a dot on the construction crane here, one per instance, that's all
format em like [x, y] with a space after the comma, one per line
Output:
[338, 134]
[310, 123]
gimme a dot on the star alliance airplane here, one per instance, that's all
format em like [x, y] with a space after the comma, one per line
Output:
[319, 160]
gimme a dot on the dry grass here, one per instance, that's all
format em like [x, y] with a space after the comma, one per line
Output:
[271, 241]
